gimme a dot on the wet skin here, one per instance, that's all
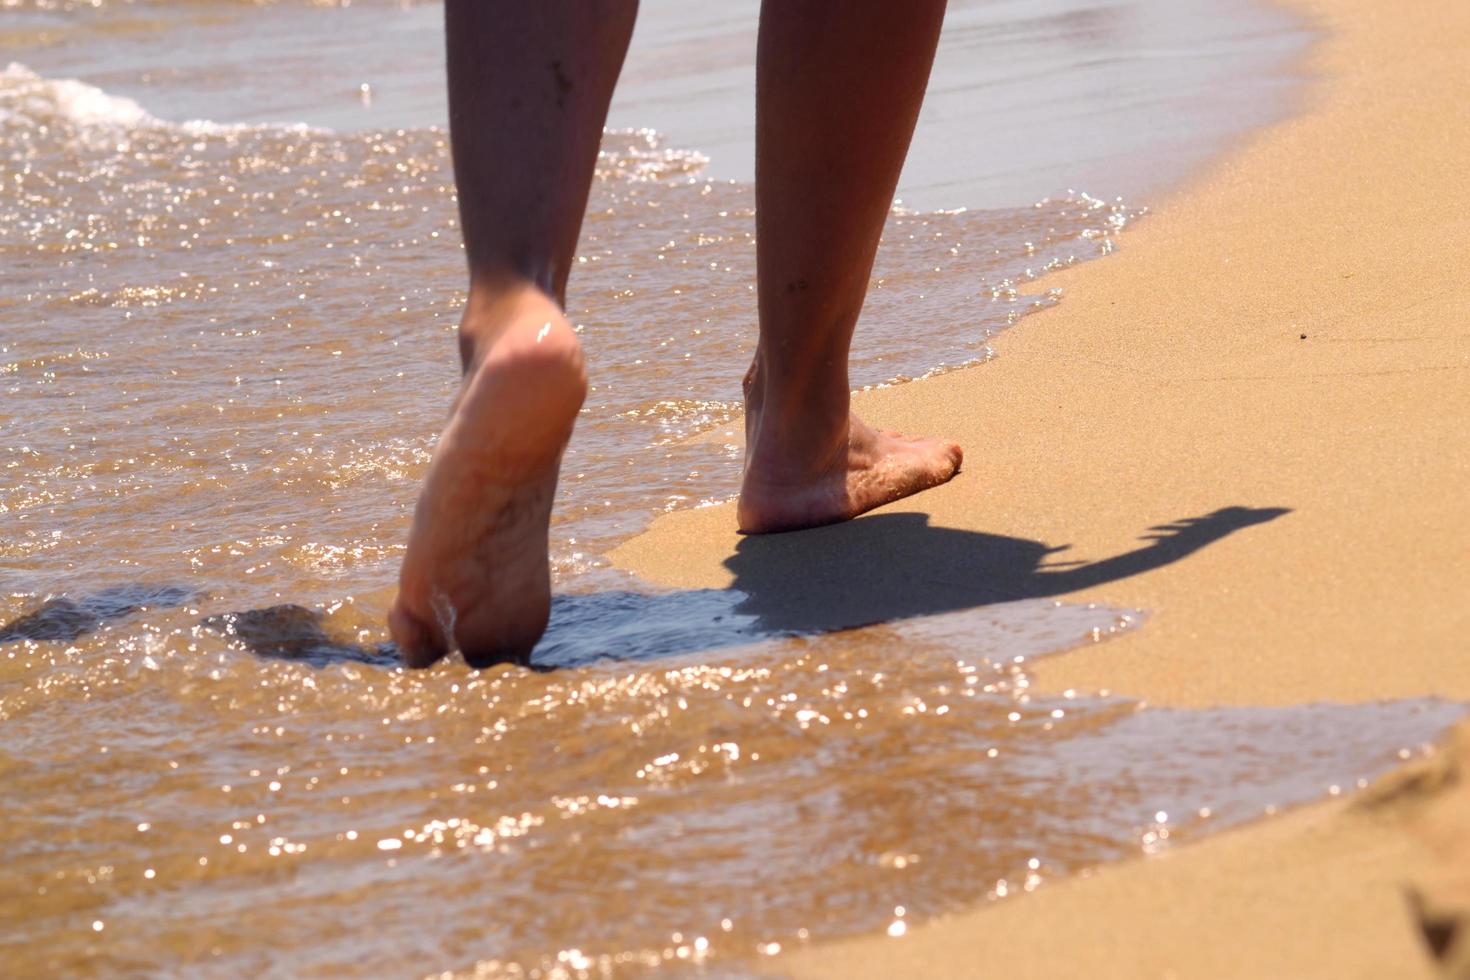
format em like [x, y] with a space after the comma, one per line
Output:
[476, 576]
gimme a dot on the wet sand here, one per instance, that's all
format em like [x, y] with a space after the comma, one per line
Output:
[1288, 332]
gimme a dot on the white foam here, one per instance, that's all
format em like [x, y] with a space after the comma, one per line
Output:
[26, 97]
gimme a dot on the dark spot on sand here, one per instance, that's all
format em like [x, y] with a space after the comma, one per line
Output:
[65, 618]
[1304, 336]
[563, 84]
[292, 632]
[1440, 925]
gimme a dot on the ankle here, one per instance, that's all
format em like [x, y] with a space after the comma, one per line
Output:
[799, 385]
[494, 306]
[792, 440]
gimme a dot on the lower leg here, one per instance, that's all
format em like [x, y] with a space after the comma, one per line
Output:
[529, 87]
[838, 92]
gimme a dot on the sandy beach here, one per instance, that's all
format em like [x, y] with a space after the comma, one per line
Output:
[1283, 344]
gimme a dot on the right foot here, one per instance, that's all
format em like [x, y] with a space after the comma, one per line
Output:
[476, 575]
[786, 488]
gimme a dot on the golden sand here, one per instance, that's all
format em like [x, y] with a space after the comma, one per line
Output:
[1292, 331]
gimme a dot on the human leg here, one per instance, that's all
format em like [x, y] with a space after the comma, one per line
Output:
[838, 92]
[529, 87]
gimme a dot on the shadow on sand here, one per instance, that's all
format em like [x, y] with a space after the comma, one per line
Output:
[895, 566]
[876, 569]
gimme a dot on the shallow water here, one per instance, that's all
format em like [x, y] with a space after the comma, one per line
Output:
[241, 815]
[225, 350]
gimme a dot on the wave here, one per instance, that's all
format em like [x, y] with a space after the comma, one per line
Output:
[27, 97]
[89, 116]
[30, 100]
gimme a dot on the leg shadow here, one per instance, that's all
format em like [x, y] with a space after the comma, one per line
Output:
[875, 569]
[894, 566]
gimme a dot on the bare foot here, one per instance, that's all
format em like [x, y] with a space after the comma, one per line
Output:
[869, 468]
[476, 575]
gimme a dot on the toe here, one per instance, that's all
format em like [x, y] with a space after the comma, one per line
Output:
[490, 634]
[487, 655]
[420, 644]
[956, 457]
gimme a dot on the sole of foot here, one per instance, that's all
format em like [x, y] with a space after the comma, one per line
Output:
[476, 575]
[877, 468]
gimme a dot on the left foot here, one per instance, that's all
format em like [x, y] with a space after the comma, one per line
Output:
[825, 479]
[877, 468]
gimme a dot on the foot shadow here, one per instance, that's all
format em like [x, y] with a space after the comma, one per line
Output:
[896, 566]
[876, 569]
